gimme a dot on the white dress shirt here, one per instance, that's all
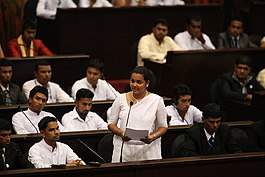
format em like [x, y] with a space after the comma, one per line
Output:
[103, 90]
[192, 115]
[56, 93]
[149, 48]
[164, 2]
[72, 122]
[22, 125]
[41, 154]
[48, 8]
[185, 40]
[99, 3]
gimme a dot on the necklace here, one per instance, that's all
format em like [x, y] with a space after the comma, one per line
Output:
[138, 100]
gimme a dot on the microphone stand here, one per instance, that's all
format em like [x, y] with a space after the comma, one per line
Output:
[91, 150]
[20, 109]
[131, 103]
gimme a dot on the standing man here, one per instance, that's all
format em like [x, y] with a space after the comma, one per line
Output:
[94, 82]
[10, 154]
[10, 93]
[26, 45]
[155, 46]
[234, 37]
[48, 151]
[210, 137]
[43, 73]
[81, 118]
[25, 122]
[193, 38]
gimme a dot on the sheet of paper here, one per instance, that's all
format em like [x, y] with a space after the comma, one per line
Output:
[136, 134]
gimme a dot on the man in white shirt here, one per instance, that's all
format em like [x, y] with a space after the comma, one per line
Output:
[93, 81]
[81, 118]
[43, 73]
[94, 3]
[181, 112]
[48, 151]
[193, 38]
[25, 122]
[155, 46]
[48, 8]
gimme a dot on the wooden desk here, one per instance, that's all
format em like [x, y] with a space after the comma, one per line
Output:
[66, 69]
[111, 33]
[240, 165]
[91, 138]
[198, 70]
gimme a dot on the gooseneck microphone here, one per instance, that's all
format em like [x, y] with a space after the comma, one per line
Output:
[131, 103]
[20, 109]
[91, 150]
[111, 89]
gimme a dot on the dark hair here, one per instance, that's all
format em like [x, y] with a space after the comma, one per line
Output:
[44, 122]
[38, 89]
[236, 18]
[4, 62]
[5, 125]
[180, 90]
[211, 110]
[41, 63]
[84, 93]
[162, 21]
[147, 74]
[96, 63]
[193, 17]
[29, 24]
[244, 60]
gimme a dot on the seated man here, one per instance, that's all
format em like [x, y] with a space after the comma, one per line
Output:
[234, 37]
[238, 85]
[25, 122]
[26, 45]
[10, 93]
[81, 118]
[10, 154]
[256, 136]
[43, 73]
[210, 137]
[48, 151]
[93, 81]
[193, 38]
[181, 112]
[155, 46]
[48, 8]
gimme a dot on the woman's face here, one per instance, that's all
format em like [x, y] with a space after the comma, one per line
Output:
[138, 84]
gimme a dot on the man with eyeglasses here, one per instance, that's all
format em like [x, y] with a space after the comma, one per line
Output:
[210, 137]
[10, 155]
[240, 83]
[234, 37]
[238, 86]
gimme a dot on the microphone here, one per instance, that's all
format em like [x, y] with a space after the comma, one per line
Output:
[20, 109]
[91, 150]
[103, 78]
[131, 103]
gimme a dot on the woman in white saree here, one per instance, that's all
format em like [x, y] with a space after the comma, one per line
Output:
[138, 120]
